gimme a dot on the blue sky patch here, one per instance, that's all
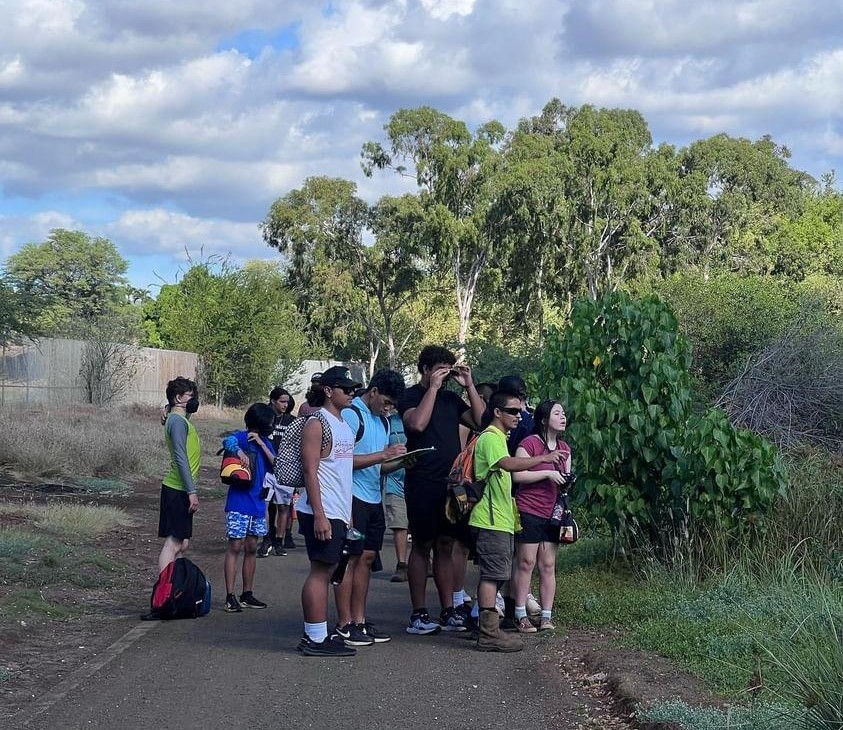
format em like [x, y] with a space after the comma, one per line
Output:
[252, 42]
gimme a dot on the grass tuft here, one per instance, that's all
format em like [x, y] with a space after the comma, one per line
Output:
[756, 717]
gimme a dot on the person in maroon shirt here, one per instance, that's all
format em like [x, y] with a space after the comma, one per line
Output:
[535, 495]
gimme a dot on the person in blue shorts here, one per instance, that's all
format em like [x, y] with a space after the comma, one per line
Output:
[245, 511]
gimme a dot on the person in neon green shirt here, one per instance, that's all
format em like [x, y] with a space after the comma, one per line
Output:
[494, 517]
[179, 500]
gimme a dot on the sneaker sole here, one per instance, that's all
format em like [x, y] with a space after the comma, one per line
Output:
[307, 651]
[256, 608]
[233, 610]
[382, 640]
[423, 632]
[355, 643]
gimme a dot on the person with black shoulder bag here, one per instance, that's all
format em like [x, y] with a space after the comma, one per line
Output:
[541, 492]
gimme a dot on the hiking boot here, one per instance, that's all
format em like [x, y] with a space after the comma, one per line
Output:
[400, 574]
[421, 624]
[525, 626]
[289, 543]
[353, 635]
[379, 637]
[265, 548]
[451, 620]
[491, 638]
[326, 647]
[231, 604]
[249, 601]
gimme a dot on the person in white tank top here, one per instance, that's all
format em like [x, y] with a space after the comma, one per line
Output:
[325, 508]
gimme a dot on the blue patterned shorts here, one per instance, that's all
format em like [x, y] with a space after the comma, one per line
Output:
[238, 526]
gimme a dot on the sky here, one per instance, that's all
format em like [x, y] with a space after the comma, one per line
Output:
[171, 127]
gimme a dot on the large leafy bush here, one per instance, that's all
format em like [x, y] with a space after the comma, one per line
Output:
[652, 469]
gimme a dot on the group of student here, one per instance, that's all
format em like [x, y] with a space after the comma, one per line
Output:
[361, 476]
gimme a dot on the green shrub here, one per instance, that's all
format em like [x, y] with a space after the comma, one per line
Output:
[656, 475]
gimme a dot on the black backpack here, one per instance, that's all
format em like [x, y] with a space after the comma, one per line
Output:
[181, 591]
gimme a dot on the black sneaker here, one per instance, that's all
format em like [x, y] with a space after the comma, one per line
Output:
[379, 637]
[353, 635]
[265, 548]
[249, 601]
[452, 620]
[231, 604]
[421, 624]
[326, 647]
[289, 543]
[464, 611]
[278, 548]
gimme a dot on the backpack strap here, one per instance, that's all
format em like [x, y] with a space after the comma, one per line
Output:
[361, 426]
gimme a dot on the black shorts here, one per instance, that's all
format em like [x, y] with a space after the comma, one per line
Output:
[322, 551]
[535, 529]
[370, 520]
[174, 516]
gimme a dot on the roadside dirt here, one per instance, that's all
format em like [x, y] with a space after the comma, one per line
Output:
[607, 681]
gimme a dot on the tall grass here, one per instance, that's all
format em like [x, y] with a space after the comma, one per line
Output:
[79, 441]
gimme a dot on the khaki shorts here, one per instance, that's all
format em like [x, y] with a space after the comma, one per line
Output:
[396, 512]
[494, 554]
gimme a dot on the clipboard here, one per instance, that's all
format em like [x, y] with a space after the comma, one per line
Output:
[414, 452]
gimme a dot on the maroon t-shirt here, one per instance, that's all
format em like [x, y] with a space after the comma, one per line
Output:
[538, 498]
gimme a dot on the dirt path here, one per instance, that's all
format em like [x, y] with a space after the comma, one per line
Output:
[242, 670]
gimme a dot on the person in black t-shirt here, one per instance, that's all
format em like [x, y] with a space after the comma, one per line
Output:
[279, 538]
[432, 416]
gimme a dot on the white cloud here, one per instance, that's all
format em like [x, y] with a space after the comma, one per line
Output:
[155, 231]
[136, 103]
[445, 9]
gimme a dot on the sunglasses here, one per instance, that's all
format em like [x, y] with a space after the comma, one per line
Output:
[347, 390]
[511, 411]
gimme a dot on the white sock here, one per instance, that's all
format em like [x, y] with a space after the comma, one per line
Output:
[316, 632]
[546, 614]
[458, 597]
[475, 609]
[520, 612]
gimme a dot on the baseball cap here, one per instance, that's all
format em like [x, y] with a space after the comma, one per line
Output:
[340, 377]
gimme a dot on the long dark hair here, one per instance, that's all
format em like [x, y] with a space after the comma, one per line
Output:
[542, 415]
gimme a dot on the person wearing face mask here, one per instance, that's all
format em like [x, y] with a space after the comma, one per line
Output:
[245, 511]
[179, 501]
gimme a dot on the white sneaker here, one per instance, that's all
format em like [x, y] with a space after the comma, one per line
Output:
[499, 603]
[533, 606]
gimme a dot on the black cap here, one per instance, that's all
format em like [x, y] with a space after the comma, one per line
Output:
[513, 384]
[340, 377]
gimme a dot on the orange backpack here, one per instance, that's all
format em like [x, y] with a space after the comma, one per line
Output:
[464, 489]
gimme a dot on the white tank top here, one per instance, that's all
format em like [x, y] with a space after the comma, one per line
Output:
[335, 473]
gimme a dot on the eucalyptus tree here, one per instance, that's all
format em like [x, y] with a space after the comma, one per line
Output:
[453, 168]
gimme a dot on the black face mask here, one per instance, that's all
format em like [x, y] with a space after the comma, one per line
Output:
[192, 405]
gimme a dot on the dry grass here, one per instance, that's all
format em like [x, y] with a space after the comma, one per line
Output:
[79, 441]
[68, 519]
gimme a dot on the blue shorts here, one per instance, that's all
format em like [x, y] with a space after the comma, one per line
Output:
[238, 526]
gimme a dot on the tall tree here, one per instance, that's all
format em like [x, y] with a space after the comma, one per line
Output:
[242, 323]
[315, 225]
[77, 276]
[733, 194]
[610, 185]
[453, 168]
